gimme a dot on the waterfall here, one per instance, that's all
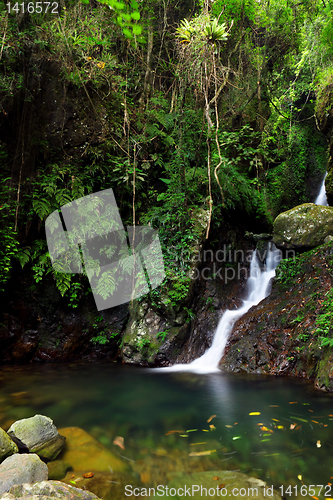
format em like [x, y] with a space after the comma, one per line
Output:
[257, 288]
[321, 198]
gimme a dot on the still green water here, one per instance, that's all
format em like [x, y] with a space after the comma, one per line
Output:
[291, 437]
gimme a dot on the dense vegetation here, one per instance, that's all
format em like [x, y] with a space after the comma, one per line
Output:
[178, 106]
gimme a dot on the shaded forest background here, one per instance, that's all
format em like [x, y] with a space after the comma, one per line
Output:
[186, 109]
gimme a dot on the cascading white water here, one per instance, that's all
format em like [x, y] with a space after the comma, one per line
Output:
[258, 287]
[321, 198]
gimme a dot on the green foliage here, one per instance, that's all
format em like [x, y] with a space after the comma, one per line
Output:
[324, 320]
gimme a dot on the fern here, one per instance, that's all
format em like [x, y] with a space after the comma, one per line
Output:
[42, 207]
[106, 285]
[23, 256]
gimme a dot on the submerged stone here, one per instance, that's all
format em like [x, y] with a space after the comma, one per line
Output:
[84, 452]
[305, 226]
[217, 484]
[39, 435]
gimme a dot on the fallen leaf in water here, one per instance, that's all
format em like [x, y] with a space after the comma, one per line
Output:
[274, 406]
[330, 415]
[215, 478]
[263, 440]
[88, 474]
[260, 423]
[300, 477]
[235, 423]
[119, 441]
[254, 413]
[318, 444]
[212, 427]
[193, 444]
[311, 411]
[315, 498]
[315, 421]
[279, 427]
[173, 432]
[221, 486]
[266, 429]
[300, 419]
[211, 418]
[183, 435]
[275, 420]
[292, 426]
[293, 402]
[192, 430]
[229, 426]
[236, 437]
[205, 430]
[78, 479]
[201, 453]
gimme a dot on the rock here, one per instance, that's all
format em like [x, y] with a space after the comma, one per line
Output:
[19, 469]
[48, 490]
[305, 226]
[58, 469]
[227, 482]
[328, 239]
[39, 435]
[7, 446]
[257, 237]
[84, 452]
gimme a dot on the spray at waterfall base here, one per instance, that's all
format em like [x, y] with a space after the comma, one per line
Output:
[235, 263]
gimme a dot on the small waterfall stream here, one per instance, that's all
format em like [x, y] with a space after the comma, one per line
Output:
[257, 288]
[321, 198]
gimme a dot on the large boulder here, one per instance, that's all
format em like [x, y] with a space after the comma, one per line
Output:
[39, 435]
[305, 226]
[19, 469]
[48, 490]
[7, 446]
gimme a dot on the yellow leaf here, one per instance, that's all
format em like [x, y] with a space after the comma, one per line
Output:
[229, 426]
[205, 430]
[275, 420]
[194, 444]
[318, 444]
[280, 427]
[201, 453]
[212, 427]
[255, 413]
[300, 477]
[211, 418]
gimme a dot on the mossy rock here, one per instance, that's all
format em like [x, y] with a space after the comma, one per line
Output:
[305, 226]
[216, 484]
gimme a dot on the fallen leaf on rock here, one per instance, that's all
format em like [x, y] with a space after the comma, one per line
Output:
[119, 441]
[193, 444]
[87, 475]
[201, 453]
[211, 418]
[215, 478]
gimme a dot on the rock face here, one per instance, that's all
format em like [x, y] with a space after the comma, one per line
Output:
[48, 490]
[7, 446]
[39, 435]
[84, 452]
[280, 336]
[305, 226]
[19, 469]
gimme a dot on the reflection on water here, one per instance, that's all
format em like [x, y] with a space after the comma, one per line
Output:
[290, 433]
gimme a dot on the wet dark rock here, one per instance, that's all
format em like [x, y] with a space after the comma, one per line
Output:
[278, 336]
